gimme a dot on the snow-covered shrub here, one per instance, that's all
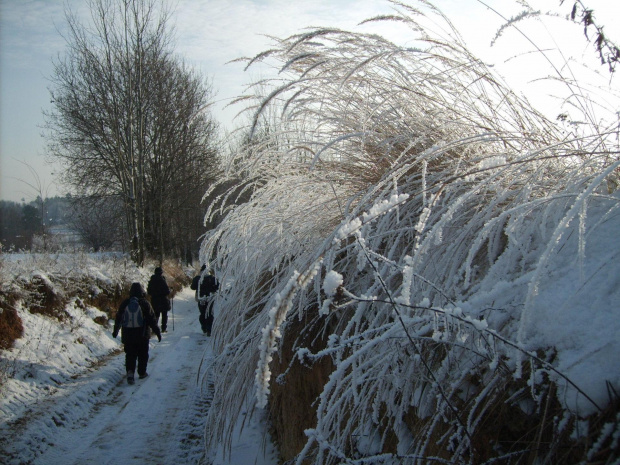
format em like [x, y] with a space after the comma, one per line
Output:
[42, 296]
[10, 324]
[46, 283]
[450, 251]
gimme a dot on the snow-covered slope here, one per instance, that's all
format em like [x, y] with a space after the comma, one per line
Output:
[64, 398]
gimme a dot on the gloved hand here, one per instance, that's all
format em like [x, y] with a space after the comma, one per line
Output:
[114, 334]
[159, 337]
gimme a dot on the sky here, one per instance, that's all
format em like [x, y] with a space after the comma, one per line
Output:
[209, 35]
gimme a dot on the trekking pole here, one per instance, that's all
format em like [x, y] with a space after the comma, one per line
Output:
[173, 314]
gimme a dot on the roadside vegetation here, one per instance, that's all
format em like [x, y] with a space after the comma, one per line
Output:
[46, 284]
[422, 270]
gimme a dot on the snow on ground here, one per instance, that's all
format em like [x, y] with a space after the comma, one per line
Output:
[91, 415]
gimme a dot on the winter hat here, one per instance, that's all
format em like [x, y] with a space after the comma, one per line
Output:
[137, 290]
[159, 270]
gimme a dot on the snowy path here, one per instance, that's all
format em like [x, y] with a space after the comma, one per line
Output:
[98, 418]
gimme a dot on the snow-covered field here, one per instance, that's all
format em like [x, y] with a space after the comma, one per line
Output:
[68, 401]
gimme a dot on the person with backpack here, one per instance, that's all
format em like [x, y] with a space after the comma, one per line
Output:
[158, 290]
[135, 319]
[205, 285]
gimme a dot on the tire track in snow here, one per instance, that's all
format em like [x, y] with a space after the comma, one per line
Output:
[189, 429]
[70, 405]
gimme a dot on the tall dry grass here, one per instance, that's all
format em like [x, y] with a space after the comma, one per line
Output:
[420, 181]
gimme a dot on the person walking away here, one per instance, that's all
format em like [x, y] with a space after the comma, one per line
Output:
[205, 285]
[159, 291]
[135, 319]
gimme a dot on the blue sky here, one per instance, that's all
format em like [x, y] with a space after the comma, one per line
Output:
[209, 33]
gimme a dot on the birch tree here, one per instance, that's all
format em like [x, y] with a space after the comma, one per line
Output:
[127, 112]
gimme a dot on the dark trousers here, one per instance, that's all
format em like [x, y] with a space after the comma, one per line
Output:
[139, 350]
[206, 317]
[164, 318]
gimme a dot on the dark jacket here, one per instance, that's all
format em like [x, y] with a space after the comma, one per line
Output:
[150, 323]
[158, 290]
[208, 286]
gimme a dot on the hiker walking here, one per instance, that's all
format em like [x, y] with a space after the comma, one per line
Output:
[158, 289]
[205, 285]
[135, 318]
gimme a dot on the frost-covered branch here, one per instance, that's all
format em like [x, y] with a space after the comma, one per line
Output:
[418, 246]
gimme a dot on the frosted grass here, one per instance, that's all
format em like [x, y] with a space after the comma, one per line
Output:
[445, 231]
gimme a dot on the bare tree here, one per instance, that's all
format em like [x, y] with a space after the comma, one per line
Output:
[98, 220]
[127, 113]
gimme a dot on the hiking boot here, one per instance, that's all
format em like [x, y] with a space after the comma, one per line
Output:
[164, 330]
[130, 379]
[142, 376]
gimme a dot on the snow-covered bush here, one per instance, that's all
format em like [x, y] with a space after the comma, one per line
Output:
[447, 248]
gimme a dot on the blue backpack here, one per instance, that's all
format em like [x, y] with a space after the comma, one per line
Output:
[133, 317]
